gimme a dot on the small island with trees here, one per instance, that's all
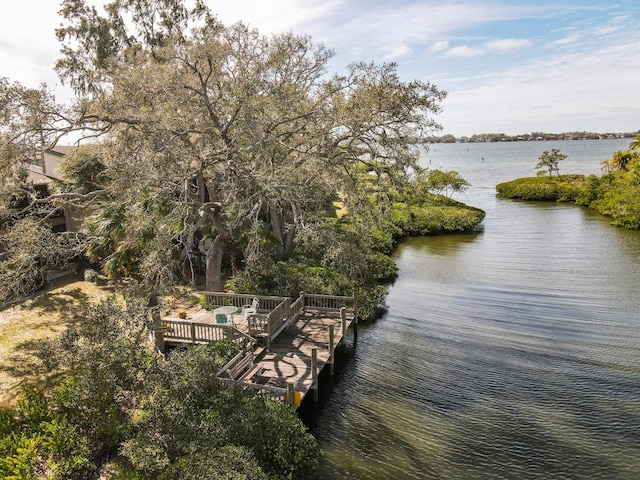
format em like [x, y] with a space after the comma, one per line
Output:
[616, 193]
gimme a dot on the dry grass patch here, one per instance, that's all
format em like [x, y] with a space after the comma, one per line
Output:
[42, 317]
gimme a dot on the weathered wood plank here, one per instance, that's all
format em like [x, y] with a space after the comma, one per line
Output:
[289, 358]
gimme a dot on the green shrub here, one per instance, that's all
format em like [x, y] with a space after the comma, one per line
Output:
[381, 267]
[563, 188]
[228, 462]
[68, 451]
[616, 194]
[18, 457]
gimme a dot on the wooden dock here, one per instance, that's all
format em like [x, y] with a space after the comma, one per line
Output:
[302, 350]
[284, 345]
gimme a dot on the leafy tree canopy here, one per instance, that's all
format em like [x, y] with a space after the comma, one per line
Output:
[211, 139]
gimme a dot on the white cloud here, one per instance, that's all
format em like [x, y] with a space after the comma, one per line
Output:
[503, 45]
[439, 46]
[464, 51]
[279, 16]
[574, 37]
[577, 90]
[398, 50]
[506, 44]
[377, 28]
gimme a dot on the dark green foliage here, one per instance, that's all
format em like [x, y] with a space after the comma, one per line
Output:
[37, 436]
[431, 219]
[382, 268]
[186, 420]
[616, 194]
[225, 463]
[590, 191]
[291, 277]
[563, 188]
[275, 435]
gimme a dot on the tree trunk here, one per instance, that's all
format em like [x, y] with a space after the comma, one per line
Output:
[285, 237]
[214, 249]
[157, 331]
[213, 255]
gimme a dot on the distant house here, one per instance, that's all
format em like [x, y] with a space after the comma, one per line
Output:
[42, 172]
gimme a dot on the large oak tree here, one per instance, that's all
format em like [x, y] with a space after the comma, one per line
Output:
[214, 136]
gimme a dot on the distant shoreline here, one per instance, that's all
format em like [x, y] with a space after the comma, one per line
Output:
[529, 137]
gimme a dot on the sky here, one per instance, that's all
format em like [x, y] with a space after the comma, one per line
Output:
[508, 66]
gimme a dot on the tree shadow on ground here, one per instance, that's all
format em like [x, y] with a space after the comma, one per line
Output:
[33, 363]
[65, 302]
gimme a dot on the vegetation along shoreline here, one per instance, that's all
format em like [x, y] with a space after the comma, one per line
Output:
[615, 194]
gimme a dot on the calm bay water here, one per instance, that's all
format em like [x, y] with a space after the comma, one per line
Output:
[508, 353]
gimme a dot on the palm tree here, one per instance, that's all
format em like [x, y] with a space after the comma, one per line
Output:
[621, 159]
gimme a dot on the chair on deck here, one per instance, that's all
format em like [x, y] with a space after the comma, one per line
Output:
[250, 309]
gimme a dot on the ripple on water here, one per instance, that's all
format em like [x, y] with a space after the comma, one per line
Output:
[511, 353]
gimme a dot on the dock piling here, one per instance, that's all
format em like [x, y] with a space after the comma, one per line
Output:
[343, 321]
[332, 358]
[314, 372]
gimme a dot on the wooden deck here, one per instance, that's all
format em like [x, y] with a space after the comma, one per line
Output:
[283, 346]
[290, 359]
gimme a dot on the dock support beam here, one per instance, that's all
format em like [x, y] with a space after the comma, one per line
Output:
[343, 320]
[290, 393]
[314, 372]
[355, 317]
[332, 358]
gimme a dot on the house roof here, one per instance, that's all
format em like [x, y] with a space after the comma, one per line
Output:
[62, 150]
[46, 168]
[37, 177]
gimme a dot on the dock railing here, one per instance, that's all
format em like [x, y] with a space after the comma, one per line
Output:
[266, 303]
[194, 332]
[274, 393]
[297, 307]
[329, 303]
[271, 316]
[277, 320]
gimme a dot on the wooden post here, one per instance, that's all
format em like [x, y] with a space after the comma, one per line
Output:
[268, 343]
[314, 372]
[287, 304]
[193, 332]
[157, 329]
[158, 333]
[290, 393]
[343, 319]
[304, 304]
[355, 317]
[331, 350]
